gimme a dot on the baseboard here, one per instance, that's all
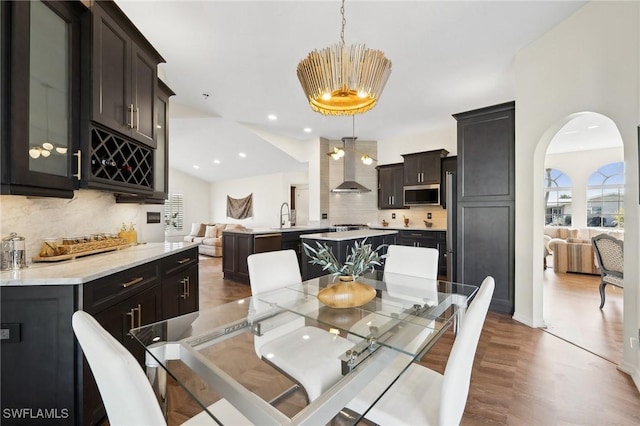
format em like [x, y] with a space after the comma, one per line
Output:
[528, 321]
[631, 370]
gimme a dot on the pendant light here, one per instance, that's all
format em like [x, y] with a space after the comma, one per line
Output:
[343, 80]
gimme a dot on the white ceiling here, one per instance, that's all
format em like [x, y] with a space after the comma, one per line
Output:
[448, 57]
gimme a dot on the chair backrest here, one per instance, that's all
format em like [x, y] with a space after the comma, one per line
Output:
[415, 261]
[125, 390]
[457, 373]
[272, 270]
[610, 254]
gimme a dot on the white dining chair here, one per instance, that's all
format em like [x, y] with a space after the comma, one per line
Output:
[125, 390]
[415, 261]
[308, 355]
[422, 396]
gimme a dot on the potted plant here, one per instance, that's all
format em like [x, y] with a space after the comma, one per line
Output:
[361, 259]
[348, 293]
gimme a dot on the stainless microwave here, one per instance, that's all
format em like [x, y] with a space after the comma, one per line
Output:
[422, 195]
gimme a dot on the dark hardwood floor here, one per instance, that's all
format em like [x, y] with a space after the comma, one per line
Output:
[521, 375]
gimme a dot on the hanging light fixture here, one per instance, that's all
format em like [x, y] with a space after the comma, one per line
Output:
[338, 153]
[343, 80]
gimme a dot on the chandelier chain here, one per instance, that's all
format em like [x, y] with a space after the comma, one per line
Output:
[344, 21]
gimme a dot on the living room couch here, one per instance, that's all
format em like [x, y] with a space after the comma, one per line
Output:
[208, 236]
[572, 249]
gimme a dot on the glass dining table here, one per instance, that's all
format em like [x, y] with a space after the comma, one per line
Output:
[214, 354]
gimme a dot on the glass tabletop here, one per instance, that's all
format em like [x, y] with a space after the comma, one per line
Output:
[285, 358]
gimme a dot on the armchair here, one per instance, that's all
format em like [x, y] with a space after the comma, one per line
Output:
[610, 255]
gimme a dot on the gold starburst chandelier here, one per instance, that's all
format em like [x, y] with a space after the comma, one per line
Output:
[343, 80]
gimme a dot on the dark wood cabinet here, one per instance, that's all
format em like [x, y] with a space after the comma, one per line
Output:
[390, 184]
[423, 168]
[486, 200]
[236, 247]
[180, 284]
[124, 75]
[40, 318]
[430, 239]
[41, 68]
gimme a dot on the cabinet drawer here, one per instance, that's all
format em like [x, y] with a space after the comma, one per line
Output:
[179, 261]
[106, 291]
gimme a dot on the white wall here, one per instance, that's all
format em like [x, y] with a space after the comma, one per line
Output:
[579, 166]
[197, 201]
[390, 150]
[88, 212]
[269, 192]
[589, 62]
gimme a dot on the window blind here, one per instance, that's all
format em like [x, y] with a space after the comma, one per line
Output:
[174, 213]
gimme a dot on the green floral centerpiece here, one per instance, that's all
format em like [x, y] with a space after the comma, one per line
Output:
[348, 292]
[361, 259]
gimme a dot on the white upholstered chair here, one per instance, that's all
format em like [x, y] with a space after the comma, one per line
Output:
[125, 390]
[422, 396]
[309, 355]
[415, 261]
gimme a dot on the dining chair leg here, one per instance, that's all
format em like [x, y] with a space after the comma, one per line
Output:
[602, 284]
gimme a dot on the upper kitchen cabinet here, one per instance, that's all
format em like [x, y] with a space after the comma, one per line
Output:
[390, 179]
[124, 75]
[423, 168]
[40, 79]
[160, 154]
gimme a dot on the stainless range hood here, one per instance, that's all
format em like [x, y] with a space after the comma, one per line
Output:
[349, 184]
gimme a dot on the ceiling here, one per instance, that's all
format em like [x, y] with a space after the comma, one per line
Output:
[448, 57]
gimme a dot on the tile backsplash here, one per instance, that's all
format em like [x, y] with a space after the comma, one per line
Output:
[416, 216]
[88, 212]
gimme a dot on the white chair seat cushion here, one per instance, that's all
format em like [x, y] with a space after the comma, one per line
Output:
[612, 279]
[224, 412]
[413, 400]
[310, 356]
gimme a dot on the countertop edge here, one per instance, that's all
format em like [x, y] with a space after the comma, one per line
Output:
[42, 274]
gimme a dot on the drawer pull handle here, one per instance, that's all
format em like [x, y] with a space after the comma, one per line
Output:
[185, 260]
[132, 282]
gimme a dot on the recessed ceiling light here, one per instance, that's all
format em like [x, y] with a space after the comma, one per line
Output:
[570, 132]
[242, 154]
[272, 117]
[595, 126]
[195, 166]
[307, 129]
[216, 161]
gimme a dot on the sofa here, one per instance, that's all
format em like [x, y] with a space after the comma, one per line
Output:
[572, 249]
[208, 236]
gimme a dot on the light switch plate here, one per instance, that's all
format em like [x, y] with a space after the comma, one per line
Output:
[10, 333]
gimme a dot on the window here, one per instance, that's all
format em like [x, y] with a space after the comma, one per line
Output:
[174, 213]
[605, 196]
[557, 195]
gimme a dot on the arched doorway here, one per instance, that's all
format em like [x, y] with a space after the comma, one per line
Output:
[583, 144]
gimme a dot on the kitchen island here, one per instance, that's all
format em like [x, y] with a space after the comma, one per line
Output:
[340, 244]
[42, 366]
[238, 244]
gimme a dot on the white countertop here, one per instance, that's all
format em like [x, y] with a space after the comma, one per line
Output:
[88, 268]
[408, 228]
[348, 235]
[276, 230]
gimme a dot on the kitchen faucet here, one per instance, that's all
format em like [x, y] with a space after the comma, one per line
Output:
[288, 213]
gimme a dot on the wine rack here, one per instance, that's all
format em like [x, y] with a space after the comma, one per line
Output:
[116, 159]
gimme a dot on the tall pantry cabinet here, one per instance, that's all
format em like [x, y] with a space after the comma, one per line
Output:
[486, 200]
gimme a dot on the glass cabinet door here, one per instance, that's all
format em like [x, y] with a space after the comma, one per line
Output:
[49, 94]
[44, 121]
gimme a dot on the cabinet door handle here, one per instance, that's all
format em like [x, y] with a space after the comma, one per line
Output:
[79, 174]
[183, 261]
[138, 119]
[139, 315]
[130, 123]
[188, 287]
[184, 288]
[132, 282]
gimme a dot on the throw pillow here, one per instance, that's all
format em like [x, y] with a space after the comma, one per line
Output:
[197, 230]
[219, 228]
[210, 232]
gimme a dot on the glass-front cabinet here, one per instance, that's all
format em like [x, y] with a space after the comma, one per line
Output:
[40, 142]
